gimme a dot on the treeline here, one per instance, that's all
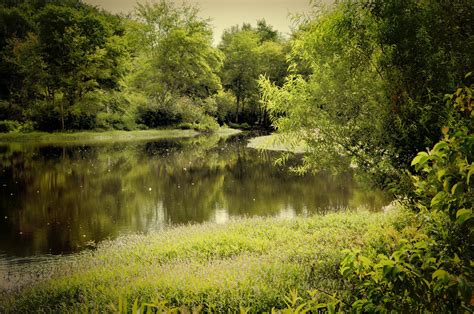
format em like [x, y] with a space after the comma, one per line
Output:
[66, 65]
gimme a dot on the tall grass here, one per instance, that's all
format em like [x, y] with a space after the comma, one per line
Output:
[249, 263]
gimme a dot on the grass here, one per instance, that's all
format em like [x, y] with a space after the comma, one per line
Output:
[106, 136]
[277, 143]
[248, 263]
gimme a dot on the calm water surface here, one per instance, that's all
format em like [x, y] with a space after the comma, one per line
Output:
[62, 199]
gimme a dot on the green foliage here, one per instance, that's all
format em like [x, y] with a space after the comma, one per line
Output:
[177, 38]
[433, 270]
[74, 49]
[373, 89]
[251, 52]
[9, 126]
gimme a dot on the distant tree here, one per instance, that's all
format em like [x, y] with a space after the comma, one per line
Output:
[178, 58]
[251, 52]
[242, 66]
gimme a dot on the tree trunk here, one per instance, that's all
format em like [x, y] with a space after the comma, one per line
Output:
[237, 111]
[62, 115]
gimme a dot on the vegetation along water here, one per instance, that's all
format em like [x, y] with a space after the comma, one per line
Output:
[148, 165]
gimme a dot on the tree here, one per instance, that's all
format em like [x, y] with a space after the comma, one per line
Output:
[179, 59]
[78, 49]
[251, 52]
[75, 50]
[378, 74]
[242, 66]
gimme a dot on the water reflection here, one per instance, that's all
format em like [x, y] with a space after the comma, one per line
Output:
[60, 199]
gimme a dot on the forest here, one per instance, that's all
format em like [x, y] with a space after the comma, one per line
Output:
[383, 88]
[98, 71]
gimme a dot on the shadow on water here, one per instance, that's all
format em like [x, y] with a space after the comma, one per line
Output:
[61, 199]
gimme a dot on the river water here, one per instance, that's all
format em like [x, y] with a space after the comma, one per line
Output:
[61, 199]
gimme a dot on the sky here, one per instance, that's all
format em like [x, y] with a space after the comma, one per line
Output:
[226, 13]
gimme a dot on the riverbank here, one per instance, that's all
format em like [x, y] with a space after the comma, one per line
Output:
[249, 263]
[277, 143]
[107, 136]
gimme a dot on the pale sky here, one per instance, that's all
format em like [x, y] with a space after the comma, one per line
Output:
[226, 13]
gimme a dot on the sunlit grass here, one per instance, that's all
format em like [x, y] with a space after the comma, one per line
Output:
[249, 263]
[277, 143]
[106, 136]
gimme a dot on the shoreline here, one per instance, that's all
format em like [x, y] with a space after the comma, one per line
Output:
[106, 136]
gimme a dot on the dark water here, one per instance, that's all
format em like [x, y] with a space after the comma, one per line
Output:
[61, 199]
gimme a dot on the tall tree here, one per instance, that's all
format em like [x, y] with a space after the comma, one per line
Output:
[379, 71]
[251, 52]
[178, 58]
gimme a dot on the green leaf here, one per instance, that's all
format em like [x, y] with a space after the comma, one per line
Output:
[440, 174]
[440, 146]
[471, 171]
[135, 306]
[438, 198]
[365, 260]
[440, 273]
[456, 259]
[457, 188]
[463, 215]
[421, 158]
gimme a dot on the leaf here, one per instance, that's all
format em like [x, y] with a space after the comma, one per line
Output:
[421, 158]
[438, 198]
[456, 259]
[463, 215]
[445, 130]
[440, 273]
[135, 306]
[471, 171]
[365, 260]
[345, 271]
[457, 188]
[440, 146]
[440, 174]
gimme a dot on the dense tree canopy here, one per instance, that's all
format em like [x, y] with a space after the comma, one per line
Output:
[251, 52]
[74, 49]
[379, 71]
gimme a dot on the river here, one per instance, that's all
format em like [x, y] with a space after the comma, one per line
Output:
[61, 199]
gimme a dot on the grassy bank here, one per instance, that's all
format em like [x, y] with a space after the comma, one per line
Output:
[276, 143]
[107, 136]
[250, 263]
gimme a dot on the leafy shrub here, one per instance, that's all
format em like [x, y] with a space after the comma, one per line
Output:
[154, 115]
[185, 126]
[9, 126]
[432, 269]
[242, 126]
[115, 121]
[206, 124]
[225, 106]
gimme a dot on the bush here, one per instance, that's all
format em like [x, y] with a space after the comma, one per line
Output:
[242, 126]
[430, 270]
[225, 106]
[185, 126]
[115, 121]
[206, 124]
[154, 115]
[9, 126]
